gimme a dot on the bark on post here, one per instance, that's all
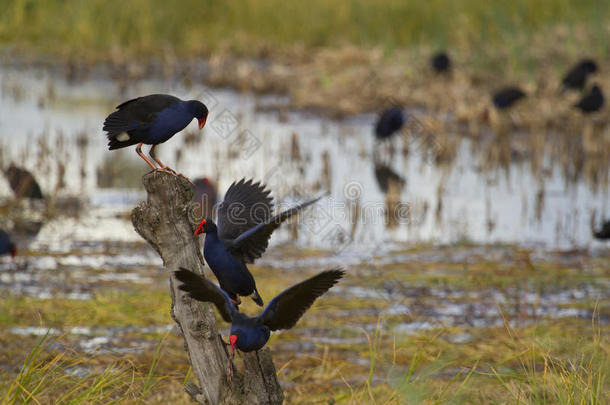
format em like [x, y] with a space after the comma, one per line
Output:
[163, 222]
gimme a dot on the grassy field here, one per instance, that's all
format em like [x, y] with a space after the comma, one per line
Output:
[350, 348]
[106, 28]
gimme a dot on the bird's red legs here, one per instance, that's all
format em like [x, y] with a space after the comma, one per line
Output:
[236, 301]
[139, 152]
[163, 168]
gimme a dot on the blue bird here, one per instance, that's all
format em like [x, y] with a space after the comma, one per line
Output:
[6, 245]
[283, 312]
[151, 120]
[242, 235]
[390, 122]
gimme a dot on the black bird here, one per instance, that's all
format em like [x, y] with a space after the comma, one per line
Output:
[283, 312]
[591, 102]
[389, 122]
[151, 120]
[6, 245]
[507, 96]
[23, 183]
[604, 232]
[576, 77]
[204, 198]
[440, 62]
[244, 227]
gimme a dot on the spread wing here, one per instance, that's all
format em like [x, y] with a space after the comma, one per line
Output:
[251, 244]
[203, 290]
[246, 204]
[286, 309]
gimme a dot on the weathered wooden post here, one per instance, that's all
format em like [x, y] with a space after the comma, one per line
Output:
[163, 222]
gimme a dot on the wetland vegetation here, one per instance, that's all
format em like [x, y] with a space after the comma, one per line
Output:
[488, 289]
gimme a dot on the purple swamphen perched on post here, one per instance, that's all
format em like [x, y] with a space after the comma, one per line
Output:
[151, 120]
[6, 245]
[576, 77]
[282, 312]
[245, 225]
[389, 122]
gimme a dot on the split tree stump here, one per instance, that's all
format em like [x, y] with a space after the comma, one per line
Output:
[163, 222]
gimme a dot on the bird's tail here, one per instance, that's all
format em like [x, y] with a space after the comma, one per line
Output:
[257, 298]
[122, 131]
[115, 143]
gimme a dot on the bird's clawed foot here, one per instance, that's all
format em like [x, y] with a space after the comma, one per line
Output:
[171, 172]
[165, 170]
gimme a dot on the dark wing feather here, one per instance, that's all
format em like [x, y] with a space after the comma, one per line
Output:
[137, 113]
[251, 244]
[203, 290]
[284, 311]
[246, 204]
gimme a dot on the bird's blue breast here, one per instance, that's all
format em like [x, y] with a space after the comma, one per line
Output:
[168, 122]
[228, 270]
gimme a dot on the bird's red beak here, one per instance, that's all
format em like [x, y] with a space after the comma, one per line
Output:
[233, 340]
[14, 252]
[199, 229]
[202, 122]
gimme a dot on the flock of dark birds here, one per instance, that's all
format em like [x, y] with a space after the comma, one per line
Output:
[239, 237]
[392, 119]
[575, 79]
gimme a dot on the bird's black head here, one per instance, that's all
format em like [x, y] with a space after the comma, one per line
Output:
[199, 111]
[205, 226]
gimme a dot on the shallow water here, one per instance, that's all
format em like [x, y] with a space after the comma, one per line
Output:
[43, 119]
[50, 126]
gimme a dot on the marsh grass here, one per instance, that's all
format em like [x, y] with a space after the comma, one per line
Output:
[194, 27]
[556, 362]
[528, 360]
[505, 366]
[48, 376]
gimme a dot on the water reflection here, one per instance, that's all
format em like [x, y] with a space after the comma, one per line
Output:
[451, 182]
